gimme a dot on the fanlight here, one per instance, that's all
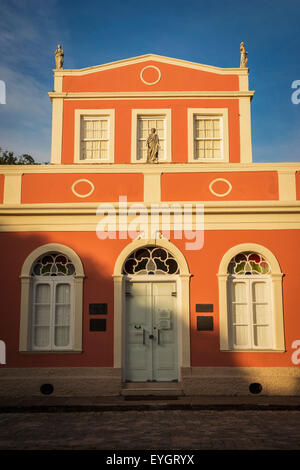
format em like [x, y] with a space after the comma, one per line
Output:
[53, 264]
[150, 260]
[248, 263]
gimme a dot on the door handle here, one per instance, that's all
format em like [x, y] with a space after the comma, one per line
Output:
[144, 342]
[158, 336]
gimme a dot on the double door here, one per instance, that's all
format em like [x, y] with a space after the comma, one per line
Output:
[151, 332]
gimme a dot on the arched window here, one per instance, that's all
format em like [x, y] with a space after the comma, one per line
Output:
[52, 314]
[51, 300]
[150, 260]
[250, 300]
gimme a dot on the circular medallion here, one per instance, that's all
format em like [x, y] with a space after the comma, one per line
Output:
[151, 80]
[84, 194]
[220, 194]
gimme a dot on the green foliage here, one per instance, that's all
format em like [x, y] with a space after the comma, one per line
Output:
[8, 158]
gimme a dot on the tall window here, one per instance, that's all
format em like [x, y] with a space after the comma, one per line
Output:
[94, 138]
[52, 304]
[145, 124]
[250, 302]
[94, 135]
[142, 121]
[208, 137]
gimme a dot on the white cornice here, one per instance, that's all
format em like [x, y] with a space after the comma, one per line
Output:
[210, 207]
[97, 168]
[250, 215]
[125, 95]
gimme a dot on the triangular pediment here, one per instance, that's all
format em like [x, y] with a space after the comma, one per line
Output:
[150, 72]
[150, 57]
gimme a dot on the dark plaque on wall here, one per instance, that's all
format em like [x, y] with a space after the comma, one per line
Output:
[98, 309]
[204, 308]
[205, 323]
[97, 324]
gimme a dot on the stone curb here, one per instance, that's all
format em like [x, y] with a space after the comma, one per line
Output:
[145, 407]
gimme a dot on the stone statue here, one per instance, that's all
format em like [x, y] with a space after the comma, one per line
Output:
[152, 147]
[59, 57]
[244, 53]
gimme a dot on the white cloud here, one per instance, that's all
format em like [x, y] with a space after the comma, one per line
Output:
[30, 31]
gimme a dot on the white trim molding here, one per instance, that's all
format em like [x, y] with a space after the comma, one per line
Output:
[183, 292]
[148, 95]
[26, 281]
[287, 185]
[166, 114]
[220, 194]
[12, 188]
[245, 129]
[209, 112]
[57, 130]
[150, 67]
[276, 300]
[88, 193]
[107, 113]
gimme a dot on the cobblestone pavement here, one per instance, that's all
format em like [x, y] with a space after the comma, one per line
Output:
[157, 429]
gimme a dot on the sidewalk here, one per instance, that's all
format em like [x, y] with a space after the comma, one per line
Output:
[121, 403]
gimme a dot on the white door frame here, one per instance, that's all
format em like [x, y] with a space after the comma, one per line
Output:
[156, 278]
[183, 304]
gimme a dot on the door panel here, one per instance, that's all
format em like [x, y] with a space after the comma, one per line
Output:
[151, 332]
[138, 312]
[165, 327]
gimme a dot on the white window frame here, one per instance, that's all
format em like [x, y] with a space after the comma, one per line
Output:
[249, 280]
[148, 113]
[275, 277]
[208, 113]
[53, 282]
[26, 295]
[108, 114]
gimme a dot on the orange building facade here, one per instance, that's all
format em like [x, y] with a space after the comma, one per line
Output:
[122, 273]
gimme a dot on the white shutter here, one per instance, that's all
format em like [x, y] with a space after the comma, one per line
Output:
[62, 315]
[261, 314]
[240, 314]
[42, 316]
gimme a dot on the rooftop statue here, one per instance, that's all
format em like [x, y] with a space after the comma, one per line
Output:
[59, 57]
[244, 53]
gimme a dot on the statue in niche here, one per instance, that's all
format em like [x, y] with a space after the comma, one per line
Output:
[152, 147]
[59, 57]
[244, 53]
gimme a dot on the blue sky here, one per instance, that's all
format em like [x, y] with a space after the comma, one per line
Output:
[95, 32]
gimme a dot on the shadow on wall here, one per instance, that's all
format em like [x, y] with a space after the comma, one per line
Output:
[233, 375]
[98, 288]
[217, 372]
